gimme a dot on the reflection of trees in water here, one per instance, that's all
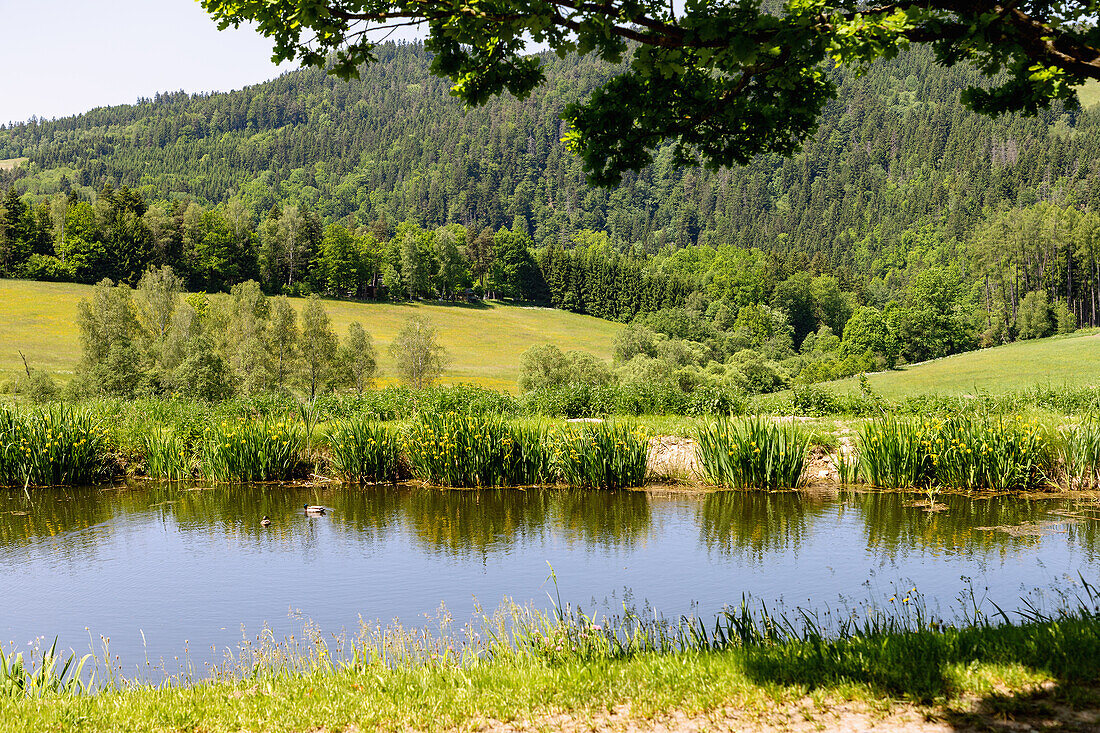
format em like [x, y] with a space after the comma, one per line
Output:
[458, 522]
[608, 518]
[757, 522]
[52, 512]
[892, 523]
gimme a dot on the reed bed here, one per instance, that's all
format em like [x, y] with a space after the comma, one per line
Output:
[1079, 454]
[990, 454]
[168, 455]
[365, 451]
[464, 450]
[604, 455]
[753, 453]
[893, 453]
[242, 451]
[54, 446]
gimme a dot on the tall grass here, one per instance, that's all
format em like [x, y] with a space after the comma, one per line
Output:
[1079, 454]
[753, 453]
[241, 451]
[994, 454]
[364, 451]
[54, 446]
[167, 455]
[605, 455]
[893, 453]
[48, 674]
[463, 450]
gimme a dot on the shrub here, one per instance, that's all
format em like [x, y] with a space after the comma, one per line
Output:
[753, 453]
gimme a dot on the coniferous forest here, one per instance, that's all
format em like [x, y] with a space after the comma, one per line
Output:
[926, 228]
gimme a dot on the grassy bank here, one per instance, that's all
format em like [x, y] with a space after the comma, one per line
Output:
[469, 437]
[545, 672]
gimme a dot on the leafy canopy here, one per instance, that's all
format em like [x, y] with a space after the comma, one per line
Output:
[723, 80]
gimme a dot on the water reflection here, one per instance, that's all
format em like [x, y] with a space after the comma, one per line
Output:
[895, 523]
[758, 522]
[161, 565]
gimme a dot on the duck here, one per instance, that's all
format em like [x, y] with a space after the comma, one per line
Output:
[309, 509]
[265, 522]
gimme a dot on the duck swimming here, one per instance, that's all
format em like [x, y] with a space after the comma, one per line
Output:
[309, 509]
[266, 521]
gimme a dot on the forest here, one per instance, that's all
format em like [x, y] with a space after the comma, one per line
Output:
[927, 229]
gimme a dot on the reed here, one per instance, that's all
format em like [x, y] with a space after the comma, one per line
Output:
[45, 674]
[1001, 454]
[167, 455]
[1078, 452]
[893, 453]
[463, 450]
[365, 451]
[753, 453]
[55, 446]
[240, 451]
[847, 467]
[604, 455]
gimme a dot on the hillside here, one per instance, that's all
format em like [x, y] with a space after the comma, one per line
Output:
[484, 342]
[895, 155]
[1072, 360]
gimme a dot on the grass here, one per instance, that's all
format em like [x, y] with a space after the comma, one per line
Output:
[1072, 361]
[265, 449]
[484, 343]
[753, 453]
[364, 451]
[10, 164]
[605, 455]
[522, 665]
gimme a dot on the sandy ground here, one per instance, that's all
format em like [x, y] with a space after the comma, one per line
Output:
[1040, 710]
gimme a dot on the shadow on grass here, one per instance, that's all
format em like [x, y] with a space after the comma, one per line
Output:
[930, 665]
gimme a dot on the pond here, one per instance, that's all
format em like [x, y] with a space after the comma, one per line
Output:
[161, 570]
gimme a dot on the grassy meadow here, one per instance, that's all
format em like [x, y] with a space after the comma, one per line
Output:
[484, 342]
[1058, 361]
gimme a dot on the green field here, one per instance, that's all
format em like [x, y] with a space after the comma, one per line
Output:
[484, 342]
[12, 163]
[1072, 360]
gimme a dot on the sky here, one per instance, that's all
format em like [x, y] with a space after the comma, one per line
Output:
[63, 57]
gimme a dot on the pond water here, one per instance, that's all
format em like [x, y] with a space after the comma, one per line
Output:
[159, 570]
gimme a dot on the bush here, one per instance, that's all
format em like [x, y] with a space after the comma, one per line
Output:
[39, 387]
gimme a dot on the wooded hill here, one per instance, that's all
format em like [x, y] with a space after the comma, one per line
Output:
[941, 222]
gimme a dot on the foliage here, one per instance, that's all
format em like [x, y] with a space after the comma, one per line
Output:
[52, 446]
[362, 451]
[242, 451]
[419, 357]
[603, 455]
[453, 449]
[753, 453]
[723, 82]
[48, 675]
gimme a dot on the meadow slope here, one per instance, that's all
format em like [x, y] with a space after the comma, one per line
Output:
[1072, 360]
[484, 342]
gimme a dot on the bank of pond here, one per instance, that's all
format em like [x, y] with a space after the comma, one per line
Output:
[61, 445]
